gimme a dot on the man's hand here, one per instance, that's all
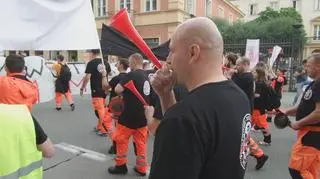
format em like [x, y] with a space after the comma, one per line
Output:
[149, 111]
[163, 81]
[102, 69]
[295, 125]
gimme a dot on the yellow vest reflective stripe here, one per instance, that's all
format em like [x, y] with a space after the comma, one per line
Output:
[24, 171]
[19, 156]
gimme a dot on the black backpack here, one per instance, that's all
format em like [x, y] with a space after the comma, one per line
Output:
[65, 73]
[272, 101]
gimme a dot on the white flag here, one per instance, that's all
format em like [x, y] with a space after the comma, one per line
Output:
[252, 51]
[275, 53]
[47, 25]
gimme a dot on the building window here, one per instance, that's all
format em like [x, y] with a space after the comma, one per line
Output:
[125, 4]
[317, 5]
[294, 4]
[231, 18]
[253, 9]
[101, 8]
[152, 42]
[208, 8]
[189, 6]
[151, 5]
[221, 12]
[73, 55]
[316, 32]
[274, 5]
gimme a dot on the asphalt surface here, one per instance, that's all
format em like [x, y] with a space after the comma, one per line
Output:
[81, 154]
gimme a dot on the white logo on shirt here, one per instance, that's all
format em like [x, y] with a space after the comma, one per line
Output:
[146, 88]
[244, 149]
[308, 94]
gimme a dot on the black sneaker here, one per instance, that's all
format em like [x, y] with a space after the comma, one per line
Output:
[112, 150]
[73, 107]
[118, 170]
[261, 161]
[138, 172]
[58, 109]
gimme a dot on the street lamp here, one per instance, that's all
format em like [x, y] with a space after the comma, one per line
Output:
[294, 54]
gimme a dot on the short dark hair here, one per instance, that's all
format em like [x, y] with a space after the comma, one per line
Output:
[15, 63]
[60, 58]
[304, 61]
[94, 51]
[124, 62]
[232, 57]
[315, 57]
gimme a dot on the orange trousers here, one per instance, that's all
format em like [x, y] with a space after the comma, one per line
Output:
[305, 160]
[104, 124]
[59, 98]
[255, 150]
[122, 136]
[259, 119]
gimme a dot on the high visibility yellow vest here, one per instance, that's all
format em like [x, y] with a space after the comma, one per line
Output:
[19, 157]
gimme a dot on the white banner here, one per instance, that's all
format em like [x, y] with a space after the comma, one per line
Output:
[275, 53]
[252, 51]
[47, 25]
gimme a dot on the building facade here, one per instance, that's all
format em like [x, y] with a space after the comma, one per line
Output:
[309, 10]
[155, 20]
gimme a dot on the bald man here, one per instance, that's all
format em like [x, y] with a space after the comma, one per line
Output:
[206, 134]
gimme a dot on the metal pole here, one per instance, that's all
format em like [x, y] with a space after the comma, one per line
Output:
[291, 66]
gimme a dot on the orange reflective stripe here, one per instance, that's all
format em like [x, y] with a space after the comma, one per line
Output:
[310, 128]
[121, 156]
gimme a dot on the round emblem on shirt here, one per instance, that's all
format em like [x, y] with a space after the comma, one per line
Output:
[146, 88]
[308, 94]
[245, 150]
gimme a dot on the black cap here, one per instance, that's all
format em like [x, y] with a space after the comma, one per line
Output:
[95, 51]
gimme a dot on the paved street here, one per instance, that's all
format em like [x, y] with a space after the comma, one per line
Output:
[80, 154]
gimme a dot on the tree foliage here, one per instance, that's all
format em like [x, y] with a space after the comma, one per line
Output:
[271, 25]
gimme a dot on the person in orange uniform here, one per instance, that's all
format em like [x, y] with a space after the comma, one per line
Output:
[305, 155]
[15, 87]
[122, 66]
[62, 83]
[132, 121]
[98, 94]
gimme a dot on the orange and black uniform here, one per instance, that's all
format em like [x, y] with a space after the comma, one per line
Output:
[132, 121]
[17, 89]
[259, 116]
[62, 86]
[305, 156]
[246, 82]
[278, 83]
[98, 94]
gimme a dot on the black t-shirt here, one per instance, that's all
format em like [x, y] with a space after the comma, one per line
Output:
[113, 83]
[246, 82]
[96, 77]
[180, 93]
[41, 136]
[204, 135]
[260, 102]
[310, 98]
[133, 114]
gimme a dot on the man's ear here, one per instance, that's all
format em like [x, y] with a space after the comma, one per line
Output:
[6, 69]
[194, 50]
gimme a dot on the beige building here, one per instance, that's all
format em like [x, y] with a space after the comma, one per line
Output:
[155, 20]
[309, 10]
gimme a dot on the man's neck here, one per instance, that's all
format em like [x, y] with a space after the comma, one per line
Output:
[205, 79]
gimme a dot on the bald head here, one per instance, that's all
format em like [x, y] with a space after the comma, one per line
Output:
[196, 46]
[203, 32]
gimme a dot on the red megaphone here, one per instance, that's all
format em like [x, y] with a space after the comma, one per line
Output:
[130, 86]
[122, 23]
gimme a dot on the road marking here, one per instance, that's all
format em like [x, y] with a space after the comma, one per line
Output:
[85, 152]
